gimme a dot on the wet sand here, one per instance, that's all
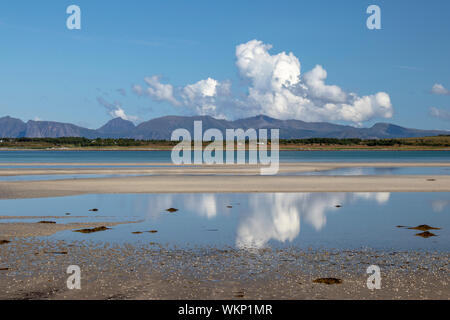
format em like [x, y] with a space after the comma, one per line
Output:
[9, 231]
[223, 184]
[150, 168]
[217, 178]
[35, 270]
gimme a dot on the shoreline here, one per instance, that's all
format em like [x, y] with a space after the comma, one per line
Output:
[111, 272]
[226, 184]
[219, 179]
[193, 149]
[167, 167]
[33, 265]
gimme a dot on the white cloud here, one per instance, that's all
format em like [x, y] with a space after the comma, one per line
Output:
[203, 88]
[120, 113]
[275, 88]
[265, 71]
[315, 81]
[160, 91]
[440, 113]
[205, 96]
[439, 89]
[115, 110]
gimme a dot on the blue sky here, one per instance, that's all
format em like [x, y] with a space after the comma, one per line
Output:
[52, 73]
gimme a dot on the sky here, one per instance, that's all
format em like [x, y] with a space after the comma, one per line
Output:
[306, 60]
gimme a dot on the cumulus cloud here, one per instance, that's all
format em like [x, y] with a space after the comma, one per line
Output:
[205, 95]
[276, 88]
[440, 113]
[160, 91]
[115, 110]
[440, 89]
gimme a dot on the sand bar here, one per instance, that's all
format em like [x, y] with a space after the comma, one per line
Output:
[225, 184]
[12, 230]
[167, 169]
[219, 178]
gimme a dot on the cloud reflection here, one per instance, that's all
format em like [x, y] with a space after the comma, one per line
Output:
[439, 205]
[268, 216]
[278, 216]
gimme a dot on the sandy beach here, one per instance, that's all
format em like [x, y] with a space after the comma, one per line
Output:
[33, 266]
[235, 184]
[218, 178]
[163, 168]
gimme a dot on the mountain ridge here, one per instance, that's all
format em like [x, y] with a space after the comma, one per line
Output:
[161, 128]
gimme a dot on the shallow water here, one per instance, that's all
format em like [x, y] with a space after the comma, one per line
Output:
[374, 171]
[356, 171]
[365, 220]
[164, 156]
[41, 177]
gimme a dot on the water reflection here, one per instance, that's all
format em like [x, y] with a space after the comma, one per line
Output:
[376, 171]
[439, 205]
[278, 216]
[267, 216]
[335, 220]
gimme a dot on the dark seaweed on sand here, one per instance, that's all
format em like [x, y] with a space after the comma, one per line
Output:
[426, 234]
[328, 281]
[92, 230]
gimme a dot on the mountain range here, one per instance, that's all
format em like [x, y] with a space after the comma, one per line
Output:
[162, 128]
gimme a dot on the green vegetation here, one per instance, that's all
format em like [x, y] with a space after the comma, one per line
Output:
[423, 142]
[437, 142]
[77, 142]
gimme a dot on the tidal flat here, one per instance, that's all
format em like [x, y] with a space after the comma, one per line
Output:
[36, 269]
[158, 231]
[226, 246]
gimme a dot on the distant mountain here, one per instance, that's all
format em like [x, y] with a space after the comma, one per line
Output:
[162, 128]
[48, 129]
[117, 127]
[11, 127]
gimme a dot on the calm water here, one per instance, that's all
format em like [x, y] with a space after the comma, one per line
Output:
[356, 171]
[374, 171]
[164, 156]
[255, 220]
[41, 177]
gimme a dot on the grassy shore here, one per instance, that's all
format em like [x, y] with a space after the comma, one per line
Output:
[422, 143]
